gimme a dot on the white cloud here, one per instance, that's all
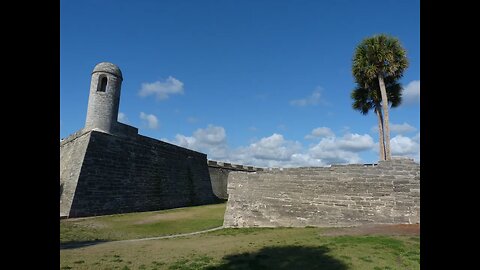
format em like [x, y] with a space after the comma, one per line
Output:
[211, 140]
[184, 141]
[320, 132]
[162, 90]
[355, 142]
[328, 153]
[150, 119]
[411, 93]
[122, 117]
[272, 151]
[397, 128]
[274, 147]
[212, 135]
[305, 160]
[343, 150]
[405, 146]
[313, 99]
[402, 128]
[276, 151]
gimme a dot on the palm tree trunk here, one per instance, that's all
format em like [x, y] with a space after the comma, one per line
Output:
[386, 127]
[381, 142]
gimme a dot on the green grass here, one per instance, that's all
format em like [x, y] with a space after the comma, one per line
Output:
[250, 248]
[281, 248]
[259, 248]
[141, 225]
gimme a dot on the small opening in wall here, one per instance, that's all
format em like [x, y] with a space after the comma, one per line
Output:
[102, 86]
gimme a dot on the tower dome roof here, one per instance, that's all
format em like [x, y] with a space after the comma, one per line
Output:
[108, 68]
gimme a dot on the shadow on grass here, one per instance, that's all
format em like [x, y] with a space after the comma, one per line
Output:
[79, 244]
[288, 257]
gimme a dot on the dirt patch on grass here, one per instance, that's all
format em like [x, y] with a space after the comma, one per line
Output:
[376, 229]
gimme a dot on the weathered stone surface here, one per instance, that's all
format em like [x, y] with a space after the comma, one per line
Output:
[72, 152]
[219, 174]
[219, 178]
[342, 195]
[106, 174]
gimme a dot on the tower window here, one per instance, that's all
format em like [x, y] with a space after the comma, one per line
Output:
[102, 85]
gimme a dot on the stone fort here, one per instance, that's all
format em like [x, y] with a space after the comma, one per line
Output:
[108, 168]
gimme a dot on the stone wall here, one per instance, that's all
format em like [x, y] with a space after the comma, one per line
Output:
[219, 172]
[340, 195]
[72, 152]
[108, 174]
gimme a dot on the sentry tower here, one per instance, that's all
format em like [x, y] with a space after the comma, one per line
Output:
[104, 98]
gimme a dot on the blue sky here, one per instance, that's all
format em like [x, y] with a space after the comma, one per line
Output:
[263, 83]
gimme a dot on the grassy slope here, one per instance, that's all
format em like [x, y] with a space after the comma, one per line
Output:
[141, 225]
[281, 248]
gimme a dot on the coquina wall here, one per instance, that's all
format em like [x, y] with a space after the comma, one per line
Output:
[340, 195]
[101, 174]
[219, 172]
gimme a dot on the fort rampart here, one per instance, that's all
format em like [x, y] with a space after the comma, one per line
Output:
[103, 174]
[340, 195]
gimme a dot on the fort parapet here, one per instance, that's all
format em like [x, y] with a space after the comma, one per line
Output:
[340, 195]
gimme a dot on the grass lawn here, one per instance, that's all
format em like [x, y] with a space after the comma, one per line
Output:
[259, 248]
[250, 248]
[141, 225]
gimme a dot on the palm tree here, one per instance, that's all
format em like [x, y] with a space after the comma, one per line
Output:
[367, 97]
[376, 58]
